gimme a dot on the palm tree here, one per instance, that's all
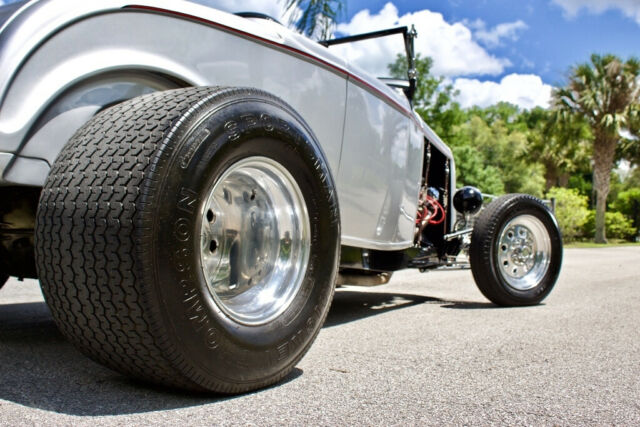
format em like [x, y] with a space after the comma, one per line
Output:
[317, 18]
[561, 144]
[605, 93]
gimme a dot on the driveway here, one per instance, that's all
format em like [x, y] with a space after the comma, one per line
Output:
[425, 349]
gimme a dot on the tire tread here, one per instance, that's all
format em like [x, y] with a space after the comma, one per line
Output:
[86, 249]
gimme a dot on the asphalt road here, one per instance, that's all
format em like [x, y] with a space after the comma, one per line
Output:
[425, 349]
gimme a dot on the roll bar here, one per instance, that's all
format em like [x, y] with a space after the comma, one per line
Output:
[409, 37]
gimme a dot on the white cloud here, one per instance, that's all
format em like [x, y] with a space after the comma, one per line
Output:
[452, 47]
[494, 36]
[524, 90]
[630, 8]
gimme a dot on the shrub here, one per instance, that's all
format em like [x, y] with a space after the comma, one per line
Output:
[617, 226]
[571, 211]
[628, 202]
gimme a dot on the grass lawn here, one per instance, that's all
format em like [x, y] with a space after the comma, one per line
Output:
[590, 244]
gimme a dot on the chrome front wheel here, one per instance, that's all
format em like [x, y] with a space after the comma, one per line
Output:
[516, 250]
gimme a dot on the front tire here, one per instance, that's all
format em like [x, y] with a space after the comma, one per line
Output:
[516, 251]
[191, 238]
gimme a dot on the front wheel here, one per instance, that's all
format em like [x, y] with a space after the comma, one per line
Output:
[191, 238]
[516, 251]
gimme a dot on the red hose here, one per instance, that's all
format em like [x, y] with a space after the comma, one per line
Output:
[438, 209]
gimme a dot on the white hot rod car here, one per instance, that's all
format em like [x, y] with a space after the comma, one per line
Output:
[189, 186]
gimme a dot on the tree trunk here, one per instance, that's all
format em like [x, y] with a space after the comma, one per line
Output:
[604, 149]
[550, 175]
[563, 180]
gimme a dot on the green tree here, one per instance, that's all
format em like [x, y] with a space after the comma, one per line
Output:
[433, 99]
[502, 148]
[618, 226]
[628, 203]
[571, 211]
[472, 169]
[561, 144]
[503, 112]
[630, 147]
[633, 180]
[318, 17]
[606, 94]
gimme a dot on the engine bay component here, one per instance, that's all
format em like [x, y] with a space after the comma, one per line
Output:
[468, 200]
[433, 198]
[430, 210]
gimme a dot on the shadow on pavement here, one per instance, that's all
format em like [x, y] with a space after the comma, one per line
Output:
[40, 369]
[464, 305]
[350, 305]
[468, 305]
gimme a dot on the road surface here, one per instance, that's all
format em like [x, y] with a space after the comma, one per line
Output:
[425, 349]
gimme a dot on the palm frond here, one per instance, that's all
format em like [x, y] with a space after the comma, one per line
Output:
[317, 17]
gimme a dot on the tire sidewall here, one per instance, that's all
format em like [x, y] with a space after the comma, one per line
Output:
[208, 142]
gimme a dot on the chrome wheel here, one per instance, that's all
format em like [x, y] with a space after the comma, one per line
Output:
[254, 240]
[524, 252]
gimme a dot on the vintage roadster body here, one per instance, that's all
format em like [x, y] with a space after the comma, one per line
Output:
[188, 185]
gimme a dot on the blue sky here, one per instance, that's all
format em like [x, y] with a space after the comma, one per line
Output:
[554, 38]
[516, 50]
[489, 50]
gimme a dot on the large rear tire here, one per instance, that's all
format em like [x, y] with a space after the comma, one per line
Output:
[191, 238]
[516, 251]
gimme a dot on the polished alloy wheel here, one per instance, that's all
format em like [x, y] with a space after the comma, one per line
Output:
[254, 240]
[524, 252]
